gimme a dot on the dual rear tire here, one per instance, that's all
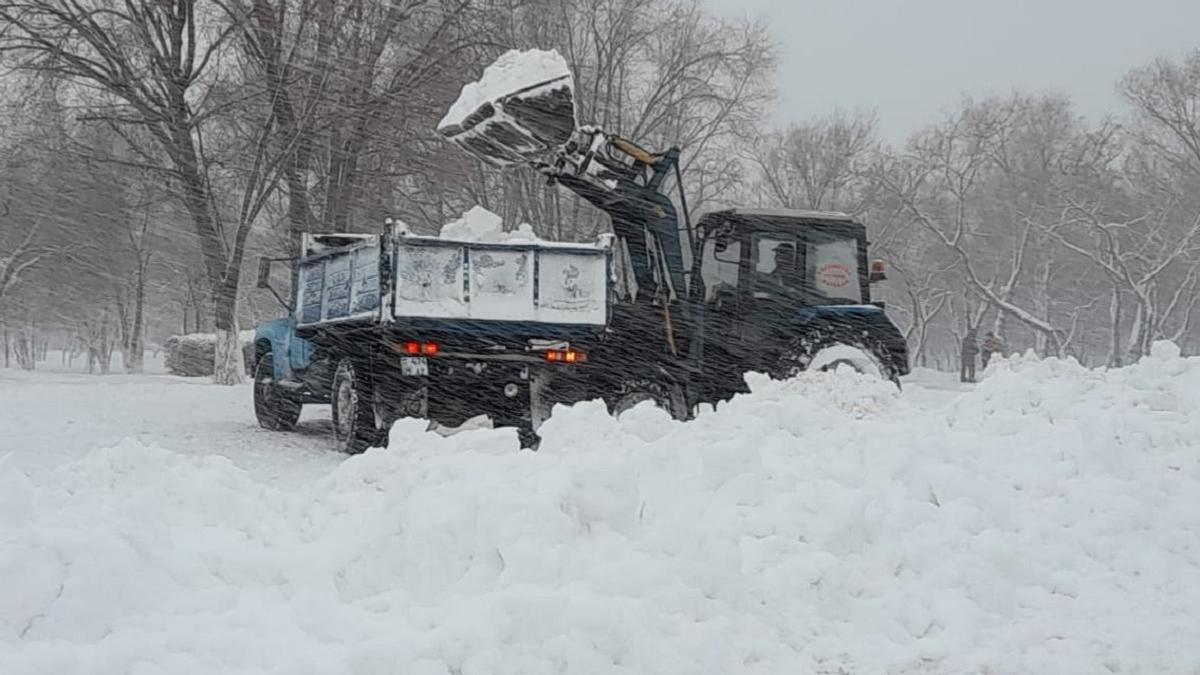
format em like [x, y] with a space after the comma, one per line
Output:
[356, 426]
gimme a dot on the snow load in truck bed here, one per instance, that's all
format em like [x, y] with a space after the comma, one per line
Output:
[476, 270]
[1043, 522]
[480, 225]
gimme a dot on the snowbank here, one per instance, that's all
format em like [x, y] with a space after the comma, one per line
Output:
[193, 354]
[480, 225]
[514, 70]
[1044, 522]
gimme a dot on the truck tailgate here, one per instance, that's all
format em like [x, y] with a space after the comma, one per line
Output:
[526, 283]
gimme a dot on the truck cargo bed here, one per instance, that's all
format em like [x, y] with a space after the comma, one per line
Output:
[507, 291]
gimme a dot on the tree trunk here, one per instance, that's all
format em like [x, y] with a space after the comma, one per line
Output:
[227, 366]
[25, 349]
[104, 350]
[1114, 318]
[135, 354]
[1136, 332]
[1041, 343]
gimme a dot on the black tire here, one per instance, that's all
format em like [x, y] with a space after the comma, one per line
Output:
[273, 407]
[666, 396]
[802, 353]
[352, 401]
[530, 440]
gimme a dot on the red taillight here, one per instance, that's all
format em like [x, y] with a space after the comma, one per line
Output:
[414, 348]
[565, 356]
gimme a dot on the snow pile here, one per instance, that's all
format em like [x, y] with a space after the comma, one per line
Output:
[1043, 523]
[480, 225]
[193, 354]
[513, 71]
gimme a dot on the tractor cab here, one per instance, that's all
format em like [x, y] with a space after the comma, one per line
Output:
[768, 278]
[779, 258]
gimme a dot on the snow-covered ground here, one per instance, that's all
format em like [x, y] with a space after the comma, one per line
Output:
[1044, 521]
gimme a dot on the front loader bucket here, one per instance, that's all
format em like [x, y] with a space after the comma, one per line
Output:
[521, 110]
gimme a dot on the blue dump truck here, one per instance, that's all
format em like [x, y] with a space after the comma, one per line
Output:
[393, 325]
[664, 309]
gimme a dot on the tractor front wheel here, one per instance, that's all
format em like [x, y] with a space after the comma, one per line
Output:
[667, 396]
[828, 355]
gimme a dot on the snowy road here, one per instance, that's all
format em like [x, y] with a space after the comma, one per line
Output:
[1044, 521]
[51, 418]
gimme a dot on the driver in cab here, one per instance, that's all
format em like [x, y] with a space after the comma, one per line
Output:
[784, 279]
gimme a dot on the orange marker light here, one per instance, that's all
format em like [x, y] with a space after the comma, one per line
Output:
[565, 356]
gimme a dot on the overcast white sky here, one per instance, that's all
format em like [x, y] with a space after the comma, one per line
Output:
[913, 60]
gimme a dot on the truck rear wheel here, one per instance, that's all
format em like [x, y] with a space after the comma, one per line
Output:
[352, 399]
[273, 407]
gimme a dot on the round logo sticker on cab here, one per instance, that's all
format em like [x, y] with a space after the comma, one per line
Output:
[833, 275]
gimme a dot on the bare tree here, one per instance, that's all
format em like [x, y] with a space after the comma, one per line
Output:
[1135, 261]
[942, 183]
[819, 165]
[154, 71]
[22, 257]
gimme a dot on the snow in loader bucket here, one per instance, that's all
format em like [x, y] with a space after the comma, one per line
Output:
[522, 109]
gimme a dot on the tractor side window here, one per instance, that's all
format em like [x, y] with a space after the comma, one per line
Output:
[776, 266]
[833, 268]
[719, 269]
